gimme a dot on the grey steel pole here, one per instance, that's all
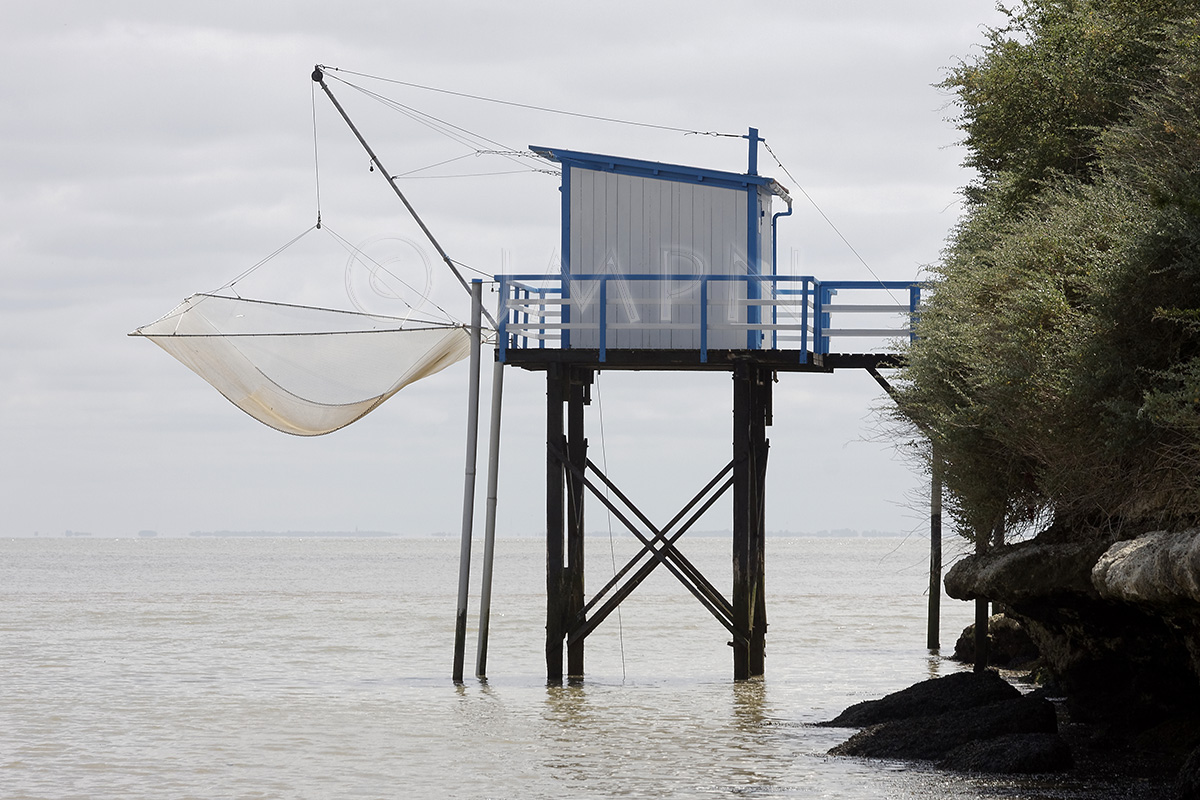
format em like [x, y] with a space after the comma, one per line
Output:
[489, 540]
[464, 557]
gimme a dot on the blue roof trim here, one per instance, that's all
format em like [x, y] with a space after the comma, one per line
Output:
[656, 169]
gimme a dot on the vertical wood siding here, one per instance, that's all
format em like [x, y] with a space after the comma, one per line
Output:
[625, 224]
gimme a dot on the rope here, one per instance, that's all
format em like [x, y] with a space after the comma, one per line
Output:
[412, 173]
[428, 323]
[316, 160]
[451, 131]
[245, 274]
[356, 252]
[434, 166]
[490, 277]
[544, 109]
[319, 76]
[612, 551]
[478, 174]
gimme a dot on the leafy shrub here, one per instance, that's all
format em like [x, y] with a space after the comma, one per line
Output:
[1057, 369]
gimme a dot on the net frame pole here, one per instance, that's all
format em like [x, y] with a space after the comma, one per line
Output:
[464, 558]
[318, 75]
[489, 535]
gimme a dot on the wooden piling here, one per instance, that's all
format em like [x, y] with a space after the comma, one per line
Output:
[981, 612]
[576, 452]
[751, 404]
[555, 594]
[935, 555]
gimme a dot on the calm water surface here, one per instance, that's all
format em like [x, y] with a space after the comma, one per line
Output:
[318, 668]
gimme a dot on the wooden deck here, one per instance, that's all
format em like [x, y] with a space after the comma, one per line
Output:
[718, 360]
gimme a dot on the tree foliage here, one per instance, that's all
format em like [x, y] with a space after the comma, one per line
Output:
[1057, 369]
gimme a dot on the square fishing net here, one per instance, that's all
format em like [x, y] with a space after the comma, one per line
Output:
[300, 369]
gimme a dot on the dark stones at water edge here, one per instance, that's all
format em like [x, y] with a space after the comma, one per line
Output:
[1009, 644]
[1014, 753]
[958, 691]
[965, 721]
[936, 737]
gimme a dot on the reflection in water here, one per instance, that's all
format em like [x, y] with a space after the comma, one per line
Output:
[936, 668]
[567, 705]
[753, 738]
[749, 701]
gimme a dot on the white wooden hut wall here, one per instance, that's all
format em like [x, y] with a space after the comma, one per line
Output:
[629, 225]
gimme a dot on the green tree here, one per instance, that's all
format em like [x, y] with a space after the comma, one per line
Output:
[1056, 369]
[1048, 83]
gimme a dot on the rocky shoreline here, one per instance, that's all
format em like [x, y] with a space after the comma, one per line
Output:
[966, 721]
[979, 723]
[1114, 621]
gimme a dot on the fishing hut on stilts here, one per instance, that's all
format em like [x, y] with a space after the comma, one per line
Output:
[667, 267]
[664, 268]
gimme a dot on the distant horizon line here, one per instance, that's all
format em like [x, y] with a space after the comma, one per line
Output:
[836, 533]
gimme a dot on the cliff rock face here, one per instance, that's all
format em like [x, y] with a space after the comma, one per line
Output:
[1028, 572]
[1117, 623]
[1158, 571]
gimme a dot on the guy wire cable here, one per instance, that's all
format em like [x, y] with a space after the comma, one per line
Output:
[827, 219]
[544, 109]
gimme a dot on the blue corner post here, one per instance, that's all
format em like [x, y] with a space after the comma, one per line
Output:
[753, 256]
[914, 310]
[823, 318]
[502, 320]
[754, 140]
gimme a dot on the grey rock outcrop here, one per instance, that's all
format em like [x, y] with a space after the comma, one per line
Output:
[1160, 571]
[1027, 572]
[1117, 622]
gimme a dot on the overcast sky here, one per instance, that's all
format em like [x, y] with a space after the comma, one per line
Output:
[151, 150]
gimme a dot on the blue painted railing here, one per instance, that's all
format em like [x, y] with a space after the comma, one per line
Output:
[537, 308]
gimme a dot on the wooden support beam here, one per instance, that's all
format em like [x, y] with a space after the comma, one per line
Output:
[981, 612]
[751, 414]
[578, 395]
[933, 626]
[983, 541]
[667, 553]
[687, 574]
[569, 616]
[935, 554]
[760, 419]
[556, 602]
